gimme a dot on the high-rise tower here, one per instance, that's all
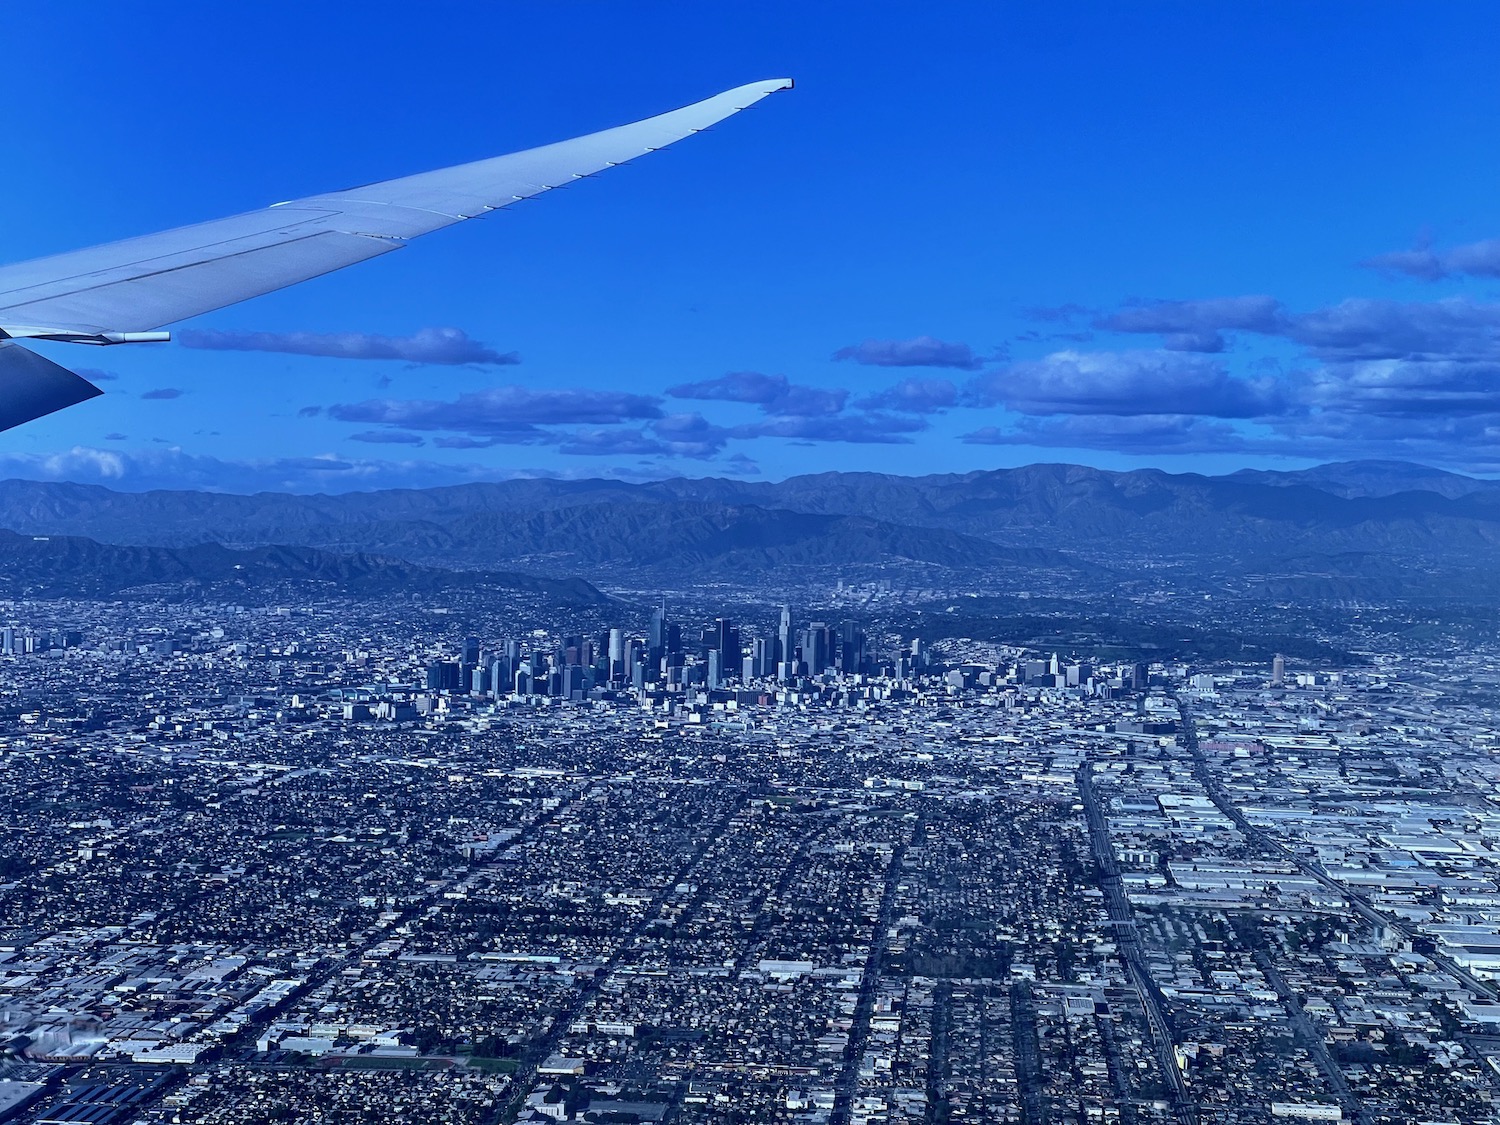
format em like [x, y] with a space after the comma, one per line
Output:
[785, 648]
[657, 641]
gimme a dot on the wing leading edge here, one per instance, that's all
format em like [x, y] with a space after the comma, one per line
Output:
[105, 293]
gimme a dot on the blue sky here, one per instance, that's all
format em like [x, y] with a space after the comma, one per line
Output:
[1188, 235]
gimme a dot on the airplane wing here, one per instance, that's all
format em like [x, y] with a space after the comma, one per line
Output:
[122, 291]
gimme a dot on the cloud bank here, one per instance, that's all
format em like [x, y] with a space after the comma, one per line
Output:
[1474, 259]
[451, 346]
[919, 351]
[774, 394]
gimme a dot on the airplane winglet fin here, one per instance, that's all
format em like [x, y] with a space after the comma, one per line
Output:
[32, 385]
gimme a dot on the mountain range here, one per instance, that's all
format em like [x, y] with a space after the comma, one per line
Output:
[72, 566]
[1391, 523]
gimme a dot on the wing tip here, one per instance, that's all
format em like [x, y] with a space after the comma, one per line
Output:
[758, 90]
[774, 85]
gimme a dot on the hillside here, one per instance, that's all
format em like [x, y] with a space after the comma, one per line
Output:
[1396, 522]
[57, 566]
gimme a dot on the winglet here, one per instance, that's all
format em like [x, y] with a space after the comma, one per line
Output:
[31, 386]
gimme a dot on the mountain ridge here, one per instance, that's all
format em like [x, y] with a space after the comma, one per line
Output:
[69, 565]
[1070, 519]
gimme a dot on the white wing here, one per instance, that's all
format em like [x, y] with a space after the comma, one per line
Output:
[99, 295]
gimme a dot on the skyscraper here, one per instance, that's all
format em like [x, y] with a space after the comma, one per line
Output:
[617, 654]
[657, 640]
[817, 651]
[727, 642]
[763, 657]
[444, 675]
[851, 653]
[786, 648]
[1278, 670]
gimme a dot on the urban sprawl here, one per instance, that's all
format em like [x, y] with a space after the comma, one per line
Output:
[345, 863]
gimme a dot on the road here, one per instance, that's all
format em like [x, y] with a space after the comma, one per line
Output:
[1028, 1054]
[1122, 915]
[1311, 1038]
[525, 1076]
[859, 1032]
[937, 1065]
[1117, 1076]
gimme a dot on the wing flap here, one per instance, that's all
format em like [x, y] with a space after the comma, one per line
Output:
[32, 385]
[65, 275]
[180, 287]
